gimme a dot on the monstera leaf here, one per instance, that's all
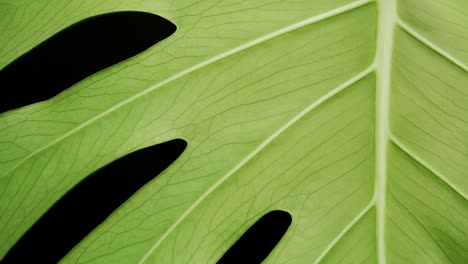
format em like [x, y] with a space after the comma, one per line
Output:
[352, 116]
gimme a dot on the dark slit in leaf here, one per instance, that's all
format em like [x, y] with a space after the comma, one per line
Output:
[260, 240]
[90, 202]
[78, 52]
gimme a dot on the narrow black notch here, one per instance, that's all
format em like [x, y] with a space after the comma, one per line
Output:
[260, 240]
[78, 52]
[90, 202]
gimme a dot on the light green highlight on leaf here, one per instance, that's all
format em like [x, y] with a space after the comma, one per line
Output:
[350, 115]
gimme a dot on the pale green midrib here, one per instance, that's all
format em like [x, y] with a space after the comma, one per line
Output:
[393, 138]
[382, 65]
[389, 137]
[277, 33]
[387, 18]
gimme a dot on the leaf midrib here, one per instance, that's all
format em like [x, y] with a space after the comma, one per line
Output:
[382, 65]
[383, 135]
[387, 18]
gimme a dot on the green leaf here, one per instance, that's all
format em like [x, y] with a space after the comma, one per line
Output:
[350, 115]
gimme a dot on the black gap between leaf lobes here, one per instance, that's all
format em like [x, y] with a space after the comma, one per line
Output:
[90, 202]
[259, 240]
[77, 52]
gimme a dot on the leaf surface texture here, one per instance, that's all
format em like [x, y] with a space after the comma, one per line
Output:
[350, 115]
